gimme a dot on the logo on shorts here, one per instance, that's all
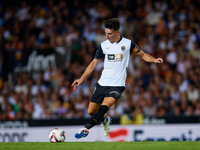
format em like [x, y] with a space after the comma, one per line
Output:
[115, 92]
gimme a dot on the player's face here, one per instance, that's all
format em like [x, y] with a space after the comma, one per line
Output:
[111, 35]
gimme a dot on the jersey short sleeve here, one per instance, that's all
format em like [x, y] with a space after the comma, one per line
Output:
[99, 53]
[134, 48]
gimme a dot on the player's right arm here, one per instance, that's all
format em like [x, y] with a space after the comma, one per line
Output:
[88, 70]
[98, 56]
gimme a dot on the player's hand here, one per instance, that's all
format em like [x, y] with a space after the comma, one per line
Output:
[159, 61]
[76, 83]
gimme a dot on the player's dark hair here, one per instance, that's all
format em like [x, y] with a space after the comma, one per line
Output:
[112, 24]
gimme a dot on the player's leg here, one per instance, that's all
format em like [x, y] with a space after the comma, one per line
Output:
[92, 110]
[108, 101]
[93, 107]
[97, 117]
[112, 96]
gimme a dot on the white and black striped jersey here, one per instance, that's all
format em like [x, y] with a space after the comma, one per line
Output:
[116, 61]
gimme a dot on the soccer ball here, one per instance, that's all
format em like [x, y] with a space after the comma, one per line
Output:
[56, 135]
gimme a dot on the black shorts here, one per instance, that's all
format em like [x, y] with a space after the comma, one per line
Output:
[100, 92]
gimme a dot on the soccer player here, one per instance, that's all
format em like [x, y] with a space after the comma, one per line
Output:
[108, 89]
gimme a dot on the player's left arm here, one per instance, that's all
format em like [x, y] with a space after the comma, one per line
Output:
[148, 58]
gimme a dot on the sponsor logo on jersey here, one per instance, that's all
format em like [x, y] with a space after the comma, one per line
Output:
[115, 57]
[111, 56]
[123, 48]
[107, 48]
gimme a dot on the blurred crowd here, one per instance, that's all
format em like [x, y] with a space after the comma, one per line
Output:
[169, 29]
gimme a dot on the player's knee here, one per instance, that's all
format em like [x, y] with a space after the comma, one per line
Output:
[91, 113]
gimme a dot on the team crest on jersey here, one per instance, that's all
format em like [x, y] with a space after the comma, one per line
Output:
[123, 48]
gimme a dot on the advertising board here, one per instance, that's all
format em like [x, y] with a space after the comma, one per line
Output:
[177, 132]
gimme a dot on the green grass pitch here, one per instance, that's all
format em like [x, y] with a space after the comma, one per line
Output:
[144, 145]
